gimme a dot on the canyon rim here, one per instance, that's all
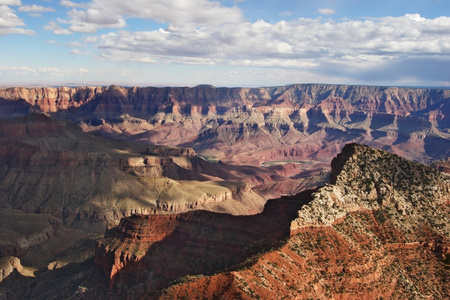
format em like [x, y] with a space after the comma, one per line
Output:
[123, 193]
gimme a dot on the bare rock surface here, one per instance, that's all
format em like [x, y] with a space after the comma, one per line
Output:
[305, 124]
[10, 263]
[379, 230]
[53, 167]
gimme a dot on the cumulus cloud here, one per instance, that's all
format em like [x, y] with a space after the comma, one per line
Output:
[21, 70]
[35, 8]
[53, 26]
[83, 71]
[100, 14]
[10, 23]
[327, 11]
[312, 44]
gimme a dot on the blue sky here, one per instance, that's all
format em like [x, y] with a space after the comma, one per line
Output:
[224, 43]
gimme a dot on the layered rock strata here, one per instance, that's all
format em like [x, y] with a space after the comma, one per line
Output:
[379, 229]
[303, 124]
[54, 167]
[152, 251]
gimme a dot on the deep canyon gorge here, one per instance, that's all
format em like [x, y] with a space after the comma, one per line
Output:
[300, 191]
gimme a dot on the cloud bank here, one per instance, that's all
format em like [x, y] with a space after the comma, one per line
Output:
[408, 48]
[100, 14]
[354, 48]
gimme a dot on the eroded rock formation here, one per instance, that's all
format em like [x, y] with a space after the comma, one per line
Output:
[301, 124]
[53, 167]
[157, 249]
[379, 229]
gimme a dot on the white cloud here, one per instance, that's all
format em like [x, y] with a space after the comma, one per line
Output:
[35, 8]
[327, 11]
[42, 71]
[99, 14]
[287, 13]
[10, 2]
[83, 71]
[75, 51]
[50, 71]
[10, 23]
[21, 70]
[8, 18]
[312, 44]
[67, 3]
[91, 39]
[57, 29]
[75, 44]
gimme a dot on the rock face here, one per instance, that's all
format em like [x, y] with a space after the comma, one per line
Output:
[53, 167]
[379, 229]
[301, 124]
[146, 253]
[228, 150]
[20, 231]
[442, 165]
[10, 263]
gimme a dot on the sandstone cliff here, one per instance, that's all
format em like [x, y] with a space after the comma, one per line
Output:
[157, 249]
[10, 263]
[380, 229]
[305, 124]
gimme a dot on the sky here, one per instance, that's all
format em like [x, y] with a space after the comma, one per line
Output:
[224, 43]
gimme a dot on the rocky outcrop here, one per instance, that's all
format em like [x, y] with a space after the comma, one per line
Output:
[52, 99]
[158, 249]
[442, 165]
[10, 263]
[379, 230]
[366, 179]
[20, 231]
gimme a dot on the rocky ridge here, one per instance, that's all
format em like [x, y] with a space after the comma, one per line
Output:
[10, 263]
[138, 255]
[379, 229]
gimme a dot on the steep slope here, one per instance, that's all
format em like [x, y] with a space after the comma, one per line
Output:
[53, 167]
[379, 230]
[304, 125]
[155, 250]
[60, 186]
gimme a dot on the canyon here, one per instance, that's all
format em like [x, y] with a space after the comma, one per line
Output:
[304, 125]
[362, 236]
[180, 180]
[380, 228]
